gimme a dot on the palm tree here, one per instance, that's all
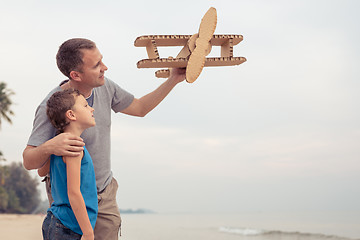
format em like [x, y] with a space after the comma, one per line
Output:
[5, 103]
[5, 110]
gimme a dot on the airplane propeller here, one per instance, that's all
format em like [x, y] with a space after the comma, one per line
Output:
[197, 48]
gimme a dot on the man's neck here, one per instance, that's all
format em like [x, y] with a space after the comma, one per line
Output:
[75, 85]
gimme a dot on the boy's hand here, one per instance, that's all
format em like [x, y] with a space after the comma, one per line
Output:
[89, 236]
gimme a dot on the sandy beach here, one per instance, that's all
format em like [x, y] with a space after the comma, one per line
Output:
[19, 227]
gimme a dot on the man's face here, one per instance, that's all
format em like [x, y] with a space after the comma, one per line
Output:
[93, 69]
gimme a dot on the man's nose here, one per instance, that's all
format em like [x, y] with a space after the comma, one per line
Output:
[104, 67]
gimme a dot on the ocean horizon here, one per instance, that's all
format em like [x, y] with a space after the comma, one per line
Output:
[255, 226]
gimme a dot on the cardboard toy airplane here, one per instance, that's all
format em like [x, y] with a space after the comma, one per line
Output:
[196, 47]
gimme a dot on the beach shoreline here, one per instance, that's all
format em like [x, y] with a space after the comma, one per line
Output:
[235, 226]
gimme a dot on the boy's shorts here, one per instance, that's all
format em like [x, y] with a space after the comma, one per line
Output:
[53, 229]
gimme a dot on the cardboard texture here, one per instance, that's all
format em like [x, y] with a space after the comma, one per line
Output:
[195, 49]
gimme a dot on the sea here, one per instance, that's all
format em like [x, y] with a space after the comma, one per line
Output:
[241, 226]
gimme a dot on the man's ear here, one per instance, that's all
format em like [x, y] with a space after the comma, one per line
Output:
[75, 75]
[70, 115]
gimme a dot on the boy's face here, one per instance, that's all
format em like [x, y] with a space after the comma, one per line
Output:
[83, 112]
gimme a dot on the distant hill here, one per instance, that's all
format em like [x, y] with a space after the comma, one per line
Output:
[136, 211]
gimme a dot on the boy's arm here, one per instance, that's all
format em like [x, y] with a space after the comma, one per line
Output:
[73, 165]
[64, 144]
[44, 170]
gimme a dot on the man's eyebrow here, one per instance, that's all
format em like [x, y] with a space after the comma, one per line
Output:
[98, 63]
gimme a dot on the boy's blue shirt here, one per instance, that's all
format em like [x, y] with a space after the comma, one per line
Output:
[61, 207]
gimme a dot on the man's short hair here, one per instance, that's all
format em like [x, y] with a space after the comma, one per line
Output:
[69, 56]
[57, 106]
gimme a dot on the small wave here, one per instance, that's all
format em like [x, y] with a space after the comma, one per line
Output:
[242, 231]
[291, 235]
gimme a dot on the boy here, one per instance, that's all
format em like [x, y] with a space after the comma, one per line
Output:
[73, 213]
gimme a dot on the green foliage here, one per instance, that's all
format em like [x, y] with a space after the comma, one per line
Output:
[14, 203]
[5, 103]
[4, 199]
[18, 190]
[2, 158]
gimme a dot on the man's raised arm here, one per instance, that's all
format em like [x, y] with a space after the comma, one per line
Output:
[142, 106]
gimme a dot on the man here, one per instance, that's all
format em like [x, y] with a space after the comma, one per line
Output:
[81, 61]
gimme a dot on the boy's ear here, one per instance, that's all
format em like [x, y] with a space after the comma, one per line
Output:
[70, 115]
[75, 75]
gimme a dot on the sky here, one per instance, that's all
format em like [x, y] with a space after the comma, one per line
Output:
[279, 132]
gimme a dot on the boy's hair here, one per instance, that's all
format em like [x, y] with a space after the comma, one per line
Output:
[57, 106]
[69, 57]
